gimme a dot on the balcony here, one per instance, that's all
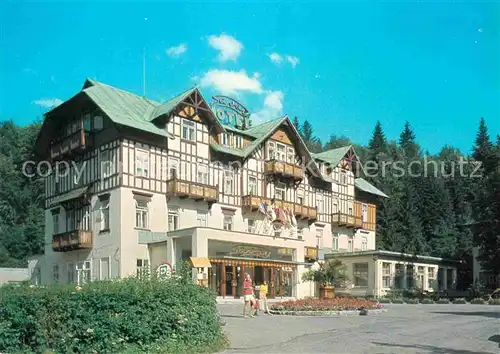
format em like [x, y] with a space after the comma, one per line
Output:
[193, 190]
[346, 220]
[283, 169]
[72, 240]
[252, 203]
[77, 143]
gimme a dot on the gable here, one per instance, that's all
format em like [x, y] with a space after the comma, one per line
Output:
[282, 136]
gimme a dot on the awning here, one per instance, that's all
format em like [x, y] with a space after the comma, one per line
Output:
[75, 193]
[200, 262]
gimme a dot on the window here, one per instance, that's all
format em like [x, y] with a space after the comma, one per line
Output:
[104, 211]
[409, 277]
[228, 182]
[141, 214]
[98, 123]
[105, 273]
[399, 276]
[238, 142]
[279, 191]
[105, 164]
[343, 177]
[271, 152]
[37, 276]
[280, 152]
[142, 268]
[290, 155]
[201, 218]
[386, 275]
[228, 222]
[202, 175]
[300, 200]
[335, 242]
[349, 207]
[431, 277]
[364, 212]
[364, 244]
[350, 244]
[319, 237]
[86, 220]
[360, 274]
[251, 226]
[252, 185]
[83, 272]
[142, 163]
[173, 220]
[188, 130]
[55, 273]
[70, 220]
[420, 276]
[335, 207]
[55, 221]
[71, 273]
[225, 139]
[173, 168]
[319, 205]
[87, 123]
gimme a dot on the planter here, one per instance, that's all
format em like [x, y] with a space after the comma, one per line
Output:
[326, 292]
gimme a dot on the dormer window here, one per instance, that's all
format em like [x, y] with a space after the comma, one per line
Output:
[238, 142]
[225, 139]
[280, 152]
[188, 130]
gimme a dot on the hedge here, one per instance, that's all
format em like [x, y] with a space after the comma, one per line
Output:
[128, 315]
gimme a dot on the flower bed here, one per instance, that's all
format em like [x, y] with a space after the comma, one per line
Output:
[335, 304]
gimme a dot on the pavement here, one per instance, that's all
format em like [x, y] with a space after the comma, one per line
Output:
[437, 329]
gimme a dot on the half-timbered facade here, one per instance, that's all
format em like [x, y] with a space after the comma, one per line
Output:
[135, 183]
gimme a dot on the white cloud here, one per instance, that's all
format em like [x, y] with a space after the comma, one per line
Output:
[275, 58]
[274, 100]
[231, 82]
[48, 103]
[292, 60]
[272, 109]
[177, 50]
[228, 46]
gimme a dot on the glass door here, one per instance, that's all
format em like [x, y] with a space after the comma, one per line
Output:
[229, 280]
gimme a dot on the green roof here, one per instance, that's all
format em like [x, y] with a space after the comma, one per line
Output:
[167, 107]
[123, 107]
[75, 193]
[365, 186]
[227, 150]
[334, 156]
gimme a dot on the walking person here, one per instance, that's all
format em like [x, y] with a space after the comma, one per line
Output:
[263, 297]
[248, 296]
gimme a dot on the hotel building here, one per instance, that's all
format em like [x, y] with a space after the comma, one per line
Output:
[136, 184]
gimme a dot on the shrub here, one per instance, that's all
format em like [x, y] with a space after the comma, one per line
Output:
[111, 316]
[460, 301]
[335, 304]
[384, 301]
[477, 301]
[412, 301]
[443, 301]
[397, 301]
[494, 301]
[426, 301]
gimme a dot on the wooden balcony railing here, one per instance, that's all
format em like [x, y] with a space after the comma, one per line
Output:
[72, 240]
[193, 190]
[252, 203]
[77, 142]
[346, 220]
[284, 169]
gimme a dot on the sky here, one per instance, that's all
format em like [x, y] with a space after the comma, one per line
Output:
[340, 65]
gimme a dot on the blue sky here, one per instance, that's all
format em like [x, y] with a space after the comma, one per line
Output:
[342, 66]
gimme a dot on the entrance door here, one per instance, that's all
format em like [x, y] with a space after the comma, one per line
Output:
[229, 280]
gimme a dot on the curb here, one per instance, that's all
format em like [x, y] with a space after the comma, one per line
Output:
[325, 313]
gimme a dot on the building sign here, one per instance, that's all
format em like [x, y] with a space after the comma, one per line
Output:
[250, 252]
[230, 112]
[164, 271]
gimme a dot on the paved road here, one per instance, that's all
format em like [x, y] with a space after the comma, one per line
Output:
[438, 329]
